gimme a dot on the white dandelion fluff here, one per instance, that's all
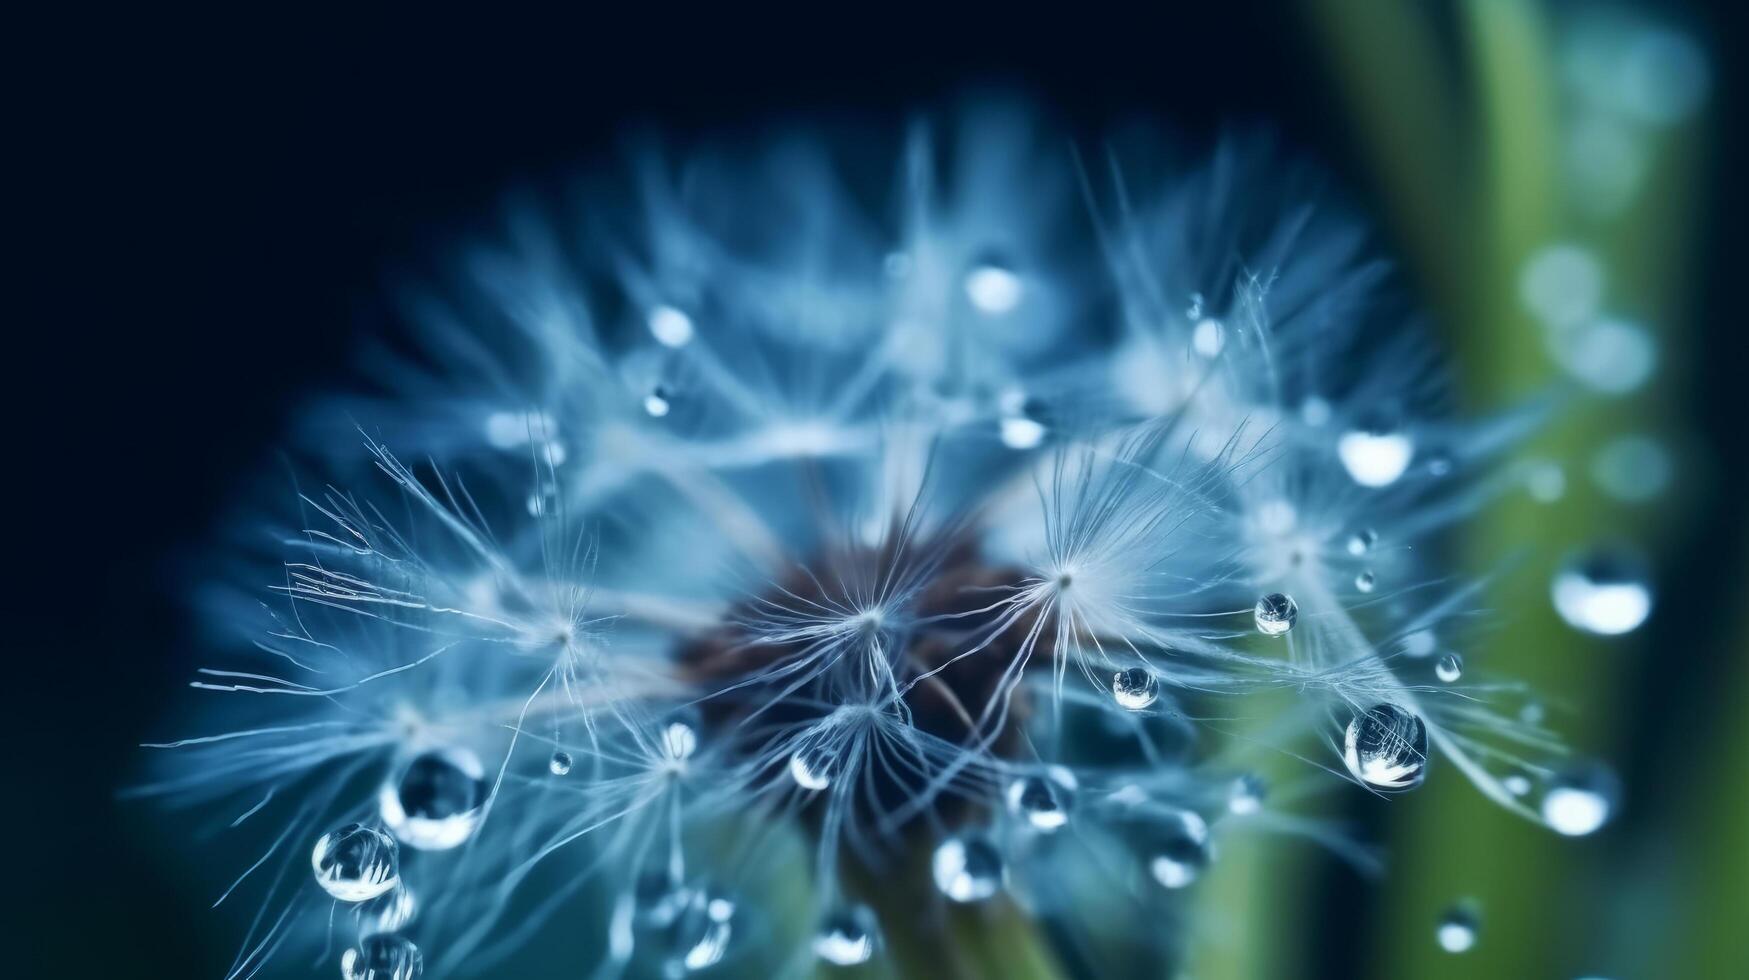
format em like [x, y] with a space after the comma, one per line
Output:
[772, 528]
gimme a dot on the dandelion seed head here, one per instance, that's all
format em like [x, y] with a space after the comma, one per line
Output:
[920, 539]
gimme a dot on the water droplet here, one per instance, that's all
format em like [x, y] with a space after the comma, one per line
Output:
[1457, 930]
[1020, 432]
[1365, 581]
[1247, 794]
[1208, 338]
[1603, 591]
[656, 402]
[1375, 455]
[994, 288]
[560, 763]
[1361, 542]
[1385, 747]
[1135, 688]
[390, 912]
[811, 764]
[543, 500]
[679, 741]
[355, 863]
[848, 936]
[1517, 784]
[1182, 852]
[1043, 800]
[382, 957]
[438, 800]
[699, 934]
[669, 326]
[1562, 285]
[1581, 801]
[1449, 668]
[968, 868]
[1275, 614]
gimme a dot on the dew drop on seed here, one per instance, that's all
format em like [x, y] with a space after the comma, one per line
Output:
[391, 911]
[1135, 688]
[967, 868]
[383, 957]
[1361, 542]
[656, 403]
[1581, 801]
[1182, 851]
[698, 936]
[679, 741]
[1275, 614]
[355, 863]
[993, 288]
[1603, 591]
[560, 763]
[1246, 795]
[1043, 800]
[438, 800]
[1365, 581]
[811, 765]
[1456, 932]
[1385, 747]
[669, 326]
[1449, 668]
[1517, 784]
[847, 936]
[1375, 455]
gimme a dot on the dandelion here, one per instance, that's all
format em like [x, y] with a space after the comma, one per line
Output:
[765, 533]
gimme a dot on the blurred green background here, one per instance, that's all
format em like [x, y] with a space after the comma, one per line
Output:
[245, 183]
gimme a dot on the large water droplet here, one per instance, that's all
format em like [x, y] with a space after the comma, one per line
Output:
[657, 403]
[968, 868]
[1182, 851]
[354, 863]
[1043, 800]
[1020, 432]
[382, 957]
[1604, 591]
[389, 912]
[1275, 614]
[1365, 582]
[438, 800]
[1457, 930]
[560, 763]
[1135, 688]
[1385, 747]
[1581, 801]
[1375, 456]
[847, 936]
